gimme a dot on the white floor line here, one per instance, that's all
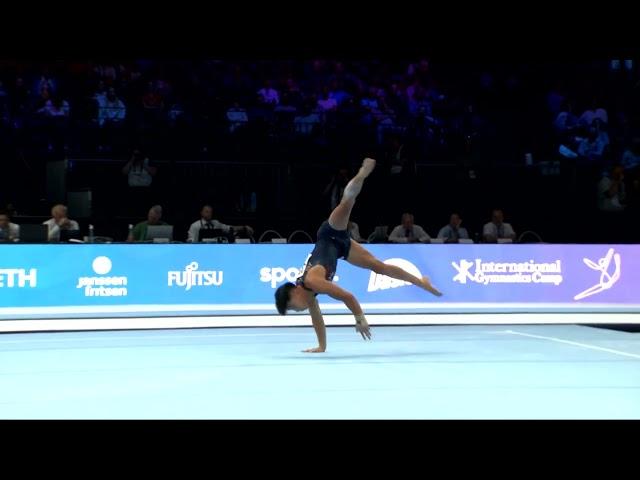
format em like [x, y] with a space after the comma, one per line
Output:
[152, 323]
[167, 336]
[80, 336]
[577, 344]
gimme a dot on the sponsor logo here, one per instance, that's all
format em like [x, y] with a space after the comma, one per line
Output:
[191, 277]
[484, 273]
[382, 282]
[607, 279]
[276, 275]
[102, 285]
[18, 277]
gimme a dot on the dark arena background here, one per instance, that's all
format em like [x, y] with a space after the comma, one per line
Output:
[150, 209]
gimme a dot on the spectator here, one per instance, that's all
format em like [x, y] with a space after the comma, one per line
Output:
[11, 210]
[138, 171]
[4, 103]
[413, 89]
[306, 122]
[337, 92]
[402, 186]
[292, 87]
[163, 87]
[8, 231]
[419, 69]
[408, 232]
[45, 84]
[176, 112]
[152, 100]
[453, 232]
[566, 121]
[19, 98]
[139, 232]
[326, 103]
[286, 104]
[497, 228]
[268, 95]
[208, 222]
[336, 186]
[369, 103]
[55, 107]
[107, 72]
[555, 99]
[594, 112]
[101, 91]
[295, 94]
[110, 108]
[43, 95]
[354, 232]
[631, 156]
[611, 191]
[237, 117]
[59, 221]
[399, 159]
[594, 145]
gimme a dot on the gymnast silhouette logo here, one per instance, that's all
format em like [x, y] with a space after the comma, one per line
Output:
[463, 271]
[607, 280]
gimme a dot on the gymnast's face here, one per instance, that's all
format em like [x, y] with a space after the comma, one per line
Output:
[298, 300]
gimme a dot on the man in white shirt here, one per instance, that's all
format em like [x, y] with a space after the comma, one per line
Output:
[497, 228]
[59, 222]
[8, 231]
[453, 232]
[408, 232]
[208, 222]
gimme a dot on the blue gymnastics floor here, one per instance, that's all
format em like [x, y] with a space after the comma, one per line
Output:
[433, 372]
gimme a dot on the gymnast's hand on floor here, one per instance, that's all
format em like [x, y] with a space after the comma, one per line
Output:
[314, 350]
[362, 327]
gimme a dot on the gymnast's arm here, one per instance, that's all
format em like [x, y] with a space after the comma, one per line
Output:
[319, 327]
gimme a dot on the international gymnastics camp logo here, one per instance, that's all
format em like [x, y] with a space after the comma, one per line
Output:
[607, 278]
[484, 273]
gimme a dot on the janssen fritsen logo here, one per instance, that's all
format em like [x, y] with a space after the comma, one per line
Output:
[484, 273]
[101, 285]
[382, 282]
[191, 277]
[18, 277]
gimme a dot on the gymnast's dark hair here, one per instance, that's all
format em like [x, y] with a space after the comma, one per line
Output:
[283, 295]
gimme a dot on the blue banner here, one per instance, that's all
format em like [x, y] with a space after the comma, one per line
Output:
[91, 280]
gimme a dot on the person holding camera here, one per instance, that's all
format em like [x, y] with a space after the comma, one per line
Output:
[138, 171]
